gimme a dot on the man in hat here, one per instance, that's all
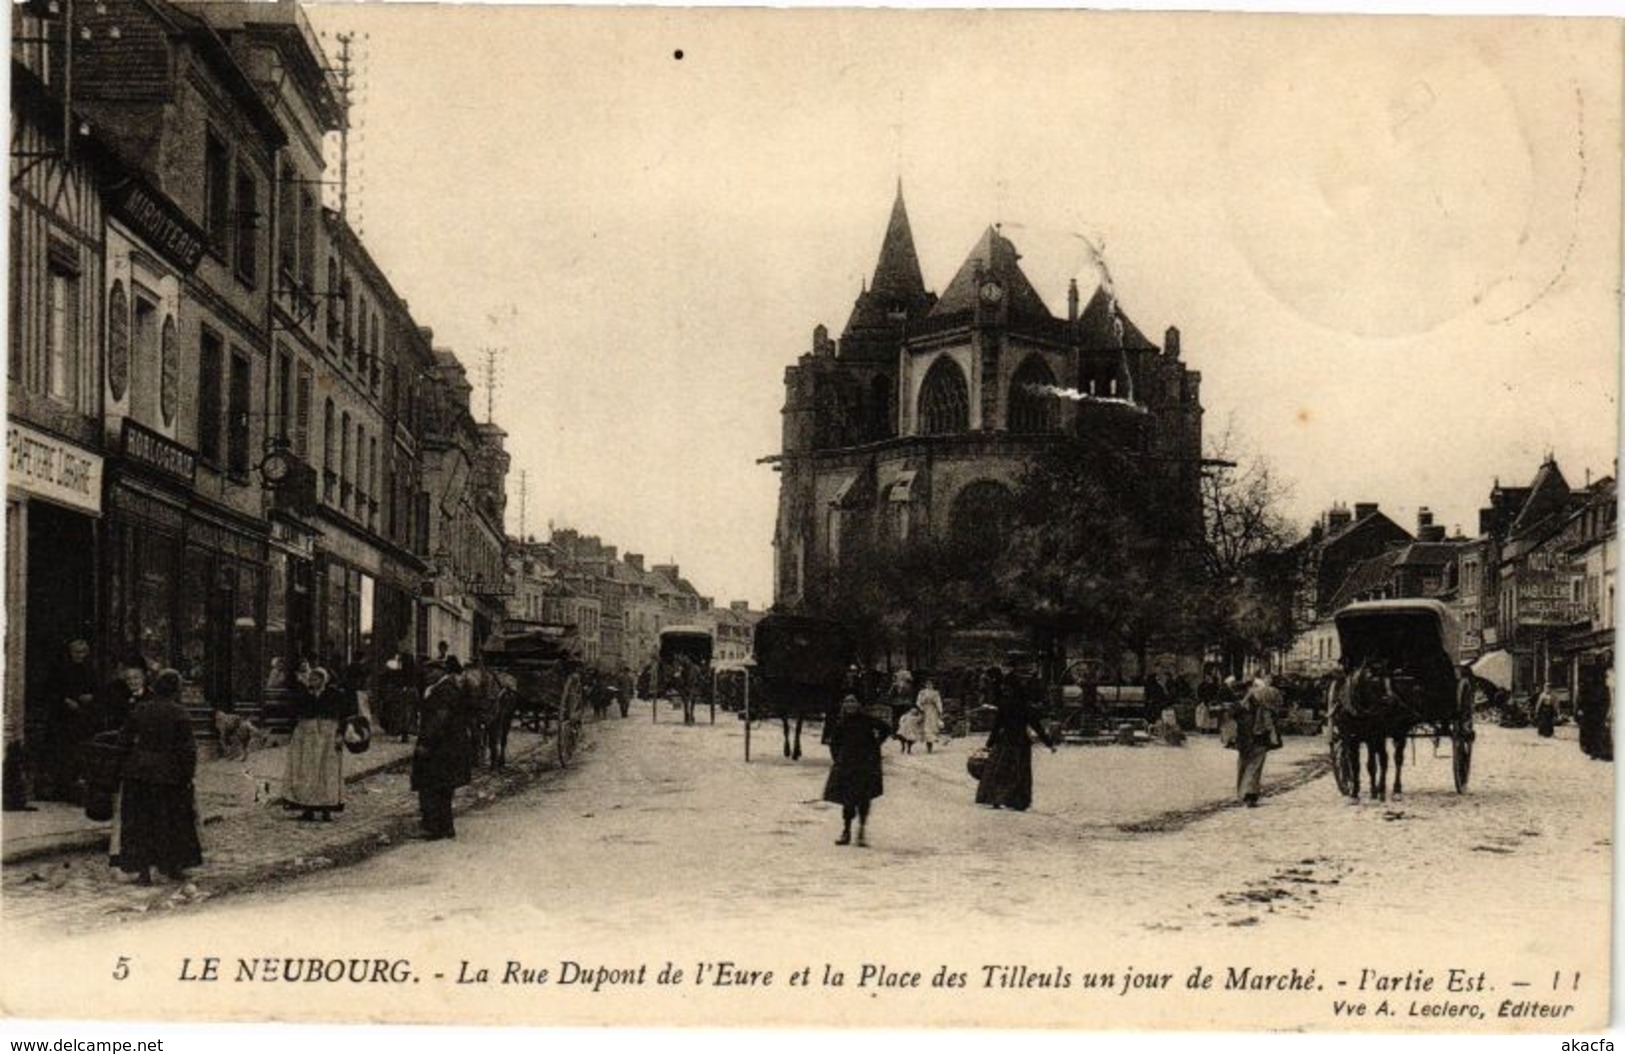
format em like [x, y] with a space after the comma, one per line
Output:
[444, 758]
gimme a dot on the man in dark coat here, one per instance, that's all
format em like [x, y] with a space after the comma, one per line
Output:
[855, 776]
[158, 812]
[444, 758]
[71, 719]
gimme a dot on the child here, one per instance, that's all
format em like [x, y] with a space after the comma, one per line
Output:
[911, 728]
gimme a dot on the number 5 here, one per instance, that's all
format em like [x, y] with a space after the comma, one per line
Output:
[121, 969]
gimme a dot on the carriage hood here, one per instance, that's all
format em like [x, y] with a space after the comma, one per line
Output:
[798, 649]
[1418, 635]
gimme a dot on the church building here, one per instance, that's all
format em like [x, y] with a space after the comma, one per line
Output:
[922, 416]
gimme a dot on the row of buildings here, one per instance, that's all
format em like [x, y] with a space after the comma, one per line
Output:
[618, 604]
[1536, 581]
[230, 444]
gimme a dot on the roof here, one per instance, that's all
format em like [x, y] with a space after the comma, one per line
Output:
[897, 291]
[1096, 328]
[993, 256]
[1427, 554]
[1365, 576]
[1548, 495]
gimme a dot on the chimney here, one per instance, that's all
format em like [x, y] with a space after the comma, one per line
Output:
[1337, 519]
[1431, 532]
[635, 561]
[1424, 519]
[609, 553]
[741, 606]
[1072, 300]
[1170, 342]
[1362, 509]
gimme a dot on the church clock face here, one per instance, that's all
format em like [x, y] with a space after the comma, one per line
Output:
[992, 292]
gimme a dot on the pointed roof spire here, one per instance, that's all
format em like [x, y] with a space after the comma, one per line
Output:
[895, 294]
[898, 271]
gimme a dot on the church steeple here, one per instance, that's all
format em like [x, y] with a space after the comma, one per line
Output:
[895, 294]
[898, 272]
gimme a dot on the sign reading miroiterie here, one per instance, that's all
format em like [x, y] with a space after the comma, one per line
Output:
[53, 469]
[162, 228]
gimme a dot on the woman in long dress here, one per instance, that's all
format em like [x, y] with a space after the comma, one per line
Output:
[157, 807]
[1256, 735]
[1007, 780]
[930, 703]
[315, 774]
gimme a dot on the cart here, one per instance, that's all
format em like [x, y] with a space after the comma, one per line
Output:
[1410, 643]
[541, 666]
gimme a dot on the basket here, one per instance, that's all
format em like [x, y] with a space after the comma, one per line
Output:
[976, 763]
[357, 734]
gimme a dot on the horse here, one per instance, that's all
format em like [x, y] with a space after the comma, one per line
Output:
[1365, 711]
[794, 703]
[493, 698]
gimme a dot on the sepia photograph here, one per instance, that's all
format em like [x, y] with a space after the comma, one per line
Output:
[824, 519]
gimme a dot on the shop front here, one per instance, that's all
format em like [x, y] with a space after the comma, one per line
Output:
[53, 502]
[186, 578]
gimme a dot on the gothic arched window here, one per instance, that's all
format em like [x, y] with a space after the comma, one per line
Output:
[1032, 408]
[944, 399]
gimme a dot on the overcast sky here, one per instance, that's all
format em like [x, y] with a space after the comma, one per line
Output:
[1391, 246]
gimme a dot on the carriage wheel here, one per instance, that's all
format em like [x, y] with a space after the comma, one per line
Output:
[1461, 738]
[1346, 785]
[569, 720]
[1461, 750]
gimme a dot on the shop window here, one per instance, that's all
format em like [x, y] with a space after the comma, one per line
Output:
[237, 426]
[118, 341]
[944, 399]
[248, 218]
[216, 192]
[211, 372]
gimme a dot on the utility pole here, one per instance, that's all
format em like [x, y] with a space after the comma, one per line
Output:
[490, 379]
[523, 481]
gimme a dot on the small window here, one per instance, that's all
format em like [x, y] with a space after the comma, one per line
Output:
[237, 427]
[147, 355]
[248, 218]
[62, 334]
[216, 192]
[211, 366]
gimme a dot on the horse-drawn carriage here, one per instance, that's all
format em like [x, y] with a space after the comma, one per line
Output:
[537, 671]
[802, 666]
[684, 669]
[1399, 681]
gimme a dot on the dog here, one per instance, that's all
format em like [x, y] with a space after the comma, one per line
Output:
[238, 735]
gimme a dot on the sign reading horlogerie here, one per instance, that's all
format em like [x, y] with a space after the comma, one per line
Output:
[54, 469]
